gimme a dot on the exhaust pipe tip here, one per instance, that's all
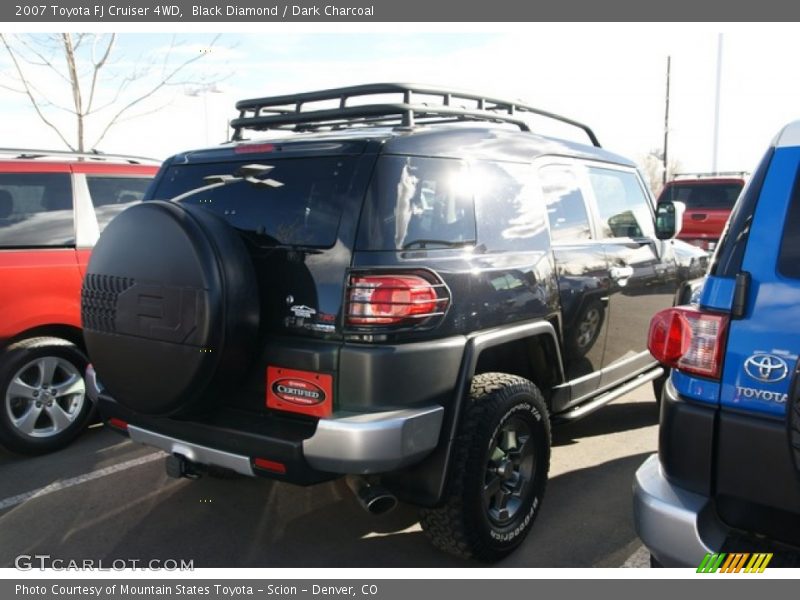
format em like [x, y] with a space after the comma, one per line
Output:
[380, 503]
[373, 498]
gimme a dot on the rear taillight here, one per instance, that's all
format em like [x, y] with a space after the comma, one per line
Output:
[689, 340]
[394, 300]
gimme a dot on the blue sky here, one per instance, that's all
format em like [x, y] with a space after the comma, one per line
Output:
[609, 76]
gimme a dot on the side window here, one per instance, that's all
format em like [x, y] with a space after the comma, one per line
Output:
[112, 195]
[566, 207]
[418, 203]
[622, 205]
[789, 257]
[36, 210]
[509, 211]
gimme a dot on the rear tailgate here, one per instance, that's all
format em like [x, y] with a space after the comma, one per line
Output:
[703, 223]
[297, 212]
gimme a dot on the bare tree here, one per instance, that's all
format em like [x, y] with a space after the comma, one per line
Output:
[652, 166]
[80, 77]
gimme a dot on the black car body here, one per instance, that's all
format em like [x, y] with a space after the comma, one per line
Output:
[365, 297]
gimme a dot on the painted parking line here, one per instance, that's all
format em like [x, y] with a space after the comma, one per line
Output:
[638, 560]
[73, 481]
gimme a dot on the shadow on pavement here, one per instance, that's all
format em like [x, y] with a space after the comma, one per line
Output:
[585, 521]
[613, 418]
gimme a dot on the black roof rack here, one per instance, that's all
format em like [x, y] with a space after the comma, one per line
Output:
[30, 154]
[417, 104]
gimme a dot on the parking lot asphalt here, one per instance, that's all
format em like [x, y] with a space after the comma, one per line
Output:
[104, 498]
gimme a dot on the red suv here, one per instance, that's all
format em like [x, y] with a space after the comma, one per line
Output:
[53, 206]
[709, 199]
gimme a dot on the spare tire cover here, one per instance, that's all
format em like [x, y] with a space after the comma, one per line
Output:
[169, 307]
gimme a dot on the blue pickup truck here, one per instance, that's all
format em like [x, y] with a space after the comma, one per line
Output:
[725, 478]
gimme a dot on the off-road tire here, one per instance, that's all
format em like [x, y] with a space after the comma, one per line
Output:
[22, 359]
[466, 524]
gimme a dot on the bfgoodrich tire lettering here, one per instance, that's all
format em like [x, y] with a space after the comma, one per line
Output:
[499, 472]
[43, 395]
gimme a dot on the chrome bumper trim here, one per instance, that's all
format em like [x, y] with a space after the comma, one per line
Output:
[677, 526]
[374, 442]
[193, 452]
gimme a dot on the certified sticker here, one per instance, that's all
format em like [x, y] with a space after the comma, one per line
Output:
[298, 391]
[305, 392]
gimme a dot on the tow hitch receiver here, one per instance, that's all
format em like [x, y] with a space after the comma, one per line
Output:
[179, 466]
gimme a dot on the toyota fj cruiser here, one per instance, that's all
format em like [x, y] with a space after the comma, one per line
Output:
[53, 205]
[404, 291]
[726, 478]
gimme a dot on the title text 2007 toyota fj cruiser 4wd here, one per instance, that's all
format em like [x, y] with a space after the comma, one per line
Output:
[404, 291]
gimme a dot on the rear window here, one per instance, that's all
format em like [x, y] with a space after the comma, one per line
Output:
[303, 208]
[789, 257]
[112, 195]
[36, 210]
[416, 203]
[703, 195]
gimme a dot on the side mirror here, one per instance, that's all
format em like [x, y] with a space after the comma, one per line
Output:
[669, 219]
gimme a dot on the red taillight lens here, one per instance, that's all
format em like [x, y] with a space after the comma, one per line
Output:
[118, 423]
[269, 465]
[392, 299]
[689, 340]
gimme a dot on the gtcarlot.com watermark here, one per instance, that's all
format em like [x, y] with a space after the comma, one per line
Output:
[42, 562]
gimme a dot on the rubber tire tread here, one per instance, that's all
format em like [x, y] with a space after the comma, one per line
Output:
[448, 526]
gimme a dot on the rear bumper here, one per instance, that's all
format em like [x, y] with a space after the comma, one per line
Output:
[677, 526]
[722, 480]
[374, 442]
[346, 443]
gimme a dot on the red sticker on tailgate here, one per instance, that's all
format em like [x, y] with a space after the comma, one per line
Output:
[304, 392]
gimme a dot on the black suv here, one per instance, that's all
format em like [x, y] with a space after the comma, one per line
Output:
[404, 291]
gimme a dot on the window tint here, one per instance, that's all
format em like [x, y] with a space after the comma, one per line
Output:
[789, 257]
[112, 195]
[418, 203]
[510, 212]
[566, 208]
[304, 210]
[36, 210]
[704, 195]
[622, 205]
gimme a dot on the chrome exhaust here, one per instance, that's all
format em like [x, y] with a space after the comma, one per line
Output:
[373, 498]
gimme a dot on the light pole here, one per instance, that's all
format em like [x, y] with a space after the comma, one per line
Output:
[664, 156]
[715, 145]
